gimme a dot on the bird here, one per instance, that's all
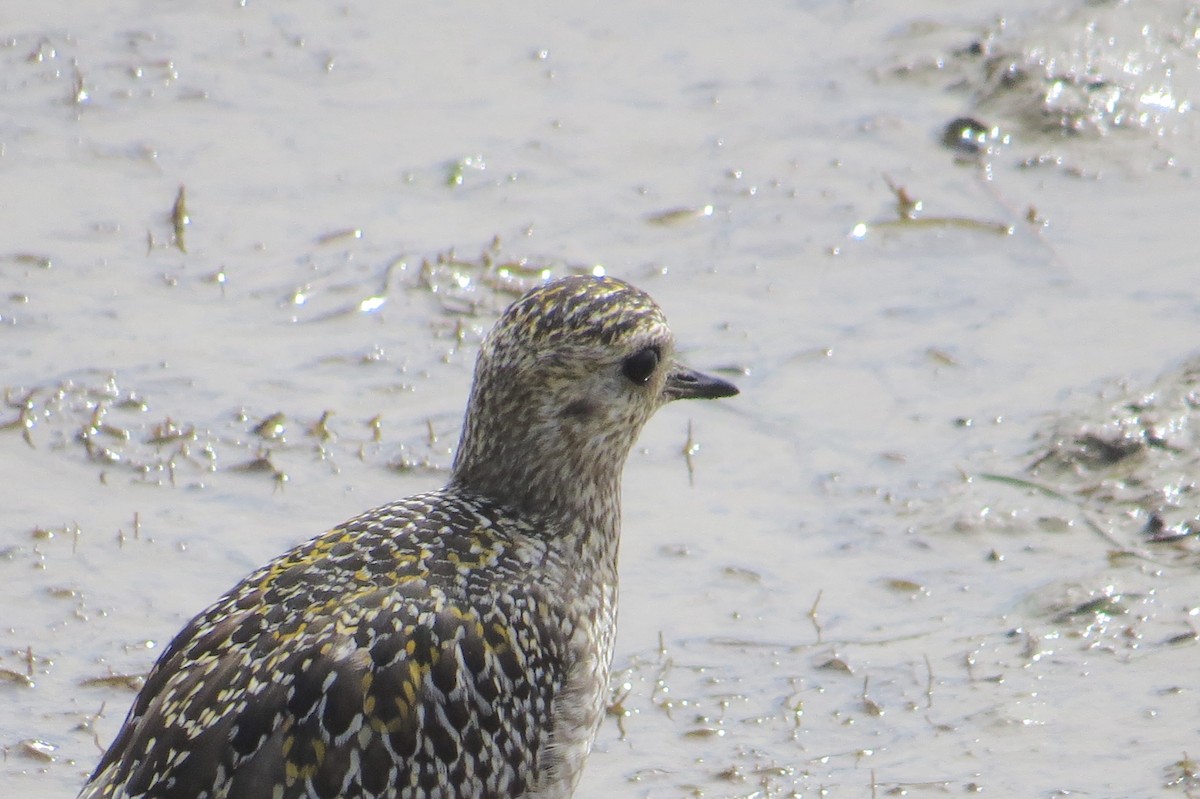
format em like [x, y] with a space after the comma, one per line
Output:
[452, 645]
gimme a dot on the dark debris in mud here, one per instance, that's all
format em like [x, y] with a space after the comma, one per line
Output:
[1135, 464]
[460, 288]
[1086, 69]
[101, 422]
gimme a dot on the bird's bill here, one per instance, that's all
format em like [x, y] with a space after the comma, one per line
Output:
[684, 383]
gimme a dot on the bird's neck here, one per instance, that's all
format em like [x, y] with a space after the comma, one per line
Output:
[574, 497]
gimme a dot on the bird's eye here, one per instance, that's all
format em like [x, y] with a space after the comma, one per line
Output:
[639, 366]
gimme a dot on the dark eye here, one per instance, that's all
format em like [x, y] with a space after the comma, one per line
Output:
[639, 366]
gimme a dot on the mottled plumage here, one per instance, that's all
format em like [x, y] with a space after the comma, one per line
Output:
[455, 644]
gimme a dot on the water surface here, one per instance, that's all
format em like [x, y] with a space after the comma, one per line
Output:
[836, 600]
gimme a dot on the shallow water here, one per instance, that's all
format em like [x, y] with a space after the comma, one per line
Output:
[837, 601]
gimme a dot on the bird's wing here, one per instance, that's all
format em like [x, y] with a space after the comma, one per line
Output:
[377, 687]
[407, 699]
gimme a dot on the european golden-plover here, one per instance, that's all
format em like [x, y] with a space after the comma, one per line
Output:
[455, 644]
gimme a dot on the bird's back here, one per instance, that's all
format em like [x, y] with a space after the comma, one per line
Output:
[417, 650]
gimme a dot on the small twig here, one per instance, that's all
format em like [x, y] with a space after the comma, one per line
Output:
[928, 683]
[812, 615]
[690, 448]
